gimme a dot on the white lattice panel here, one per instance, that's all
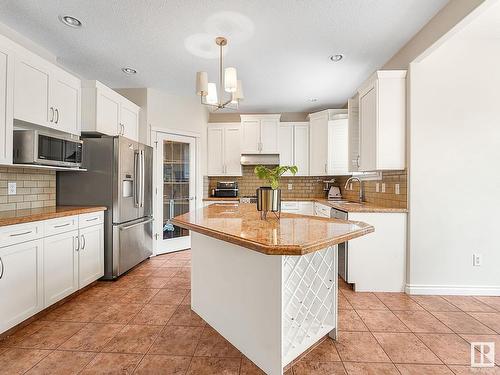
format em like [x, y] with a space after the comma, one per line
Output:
[309, 299]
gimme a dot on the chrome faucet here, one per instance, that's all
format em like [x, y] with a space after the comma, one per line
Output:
[361, 191]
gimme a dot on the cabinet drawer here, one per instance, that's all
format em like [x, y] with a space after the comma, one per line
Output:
[289, 206]
[93, 218]
[14, 234]
[60, 225]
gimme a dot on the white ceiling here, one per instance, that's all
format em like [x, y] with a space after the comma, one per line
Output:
[281, 48]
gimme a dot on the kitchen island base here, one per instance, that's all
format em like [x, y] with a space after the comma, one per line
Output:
[270, 307]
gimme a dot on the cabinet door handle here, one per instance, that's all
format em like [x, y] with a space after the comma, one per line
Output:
[357, 161]
[93, 219]
[62, 225]
[21, 234]
[51, 109]
[77, 243]
[57, 116]
[1, 264]
[326, 168]
[83, 242]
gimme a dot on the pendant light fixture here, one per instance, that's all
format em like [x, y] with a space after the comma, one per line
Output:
[212, 95]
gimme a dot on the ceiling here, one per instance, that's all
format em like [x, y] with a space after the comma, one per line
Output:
[281, 48]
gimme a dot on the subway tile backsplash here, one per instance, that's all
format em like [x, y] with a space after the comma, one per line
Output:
[312, 187]
[35, 188]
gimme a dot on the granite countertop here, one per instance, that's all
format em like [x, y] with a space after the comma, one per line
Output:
[45, 213]
[343, 206]
[291, 235]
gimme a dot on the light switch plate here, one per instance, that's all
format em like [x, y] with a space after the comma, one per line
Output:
[383, 187]
[377, 187]
[290, 186]
[396, 189]
[476, 260]
[11, 188]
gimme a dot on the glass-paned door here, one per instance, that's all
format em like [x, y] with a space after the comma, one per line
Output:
[176, 189]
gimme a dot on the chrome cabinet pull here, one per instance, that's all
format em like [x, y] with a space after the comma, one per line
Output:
[62, 225]
[1, 264]
[357, 161]
[93, 219]
[51, 109]
[57, 116]
[83, 242]
[77, 243]
[21, 234]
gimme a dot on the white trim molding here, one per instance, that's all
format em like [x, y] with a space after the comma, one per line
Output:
[457, 290]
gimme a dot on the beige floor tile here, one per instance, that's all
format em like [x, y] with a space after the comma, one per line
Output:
[139, 295]
[422, 322]
[468, 304]
[493, 302]
[360, 347]
[349, 320]
[344, 303]
[177, 340]
[214, 366]
[212, 344]
[117, 313]
[92, 337]
[486, 338]
[398, 301]
[434, 303]
[354, 368]
[178, 283]
[323, 352]
[461, 322]
[250, 368]
[18, 361]
[382, 321]
[75, 312]
[367, 301]
[467, 370]
[62, 363]
[154, 314]
[318, 368]
[491, 320]
[450, 348]
[133, 339]
[51, 335]
[413, 369]
[184, 316]
[165, 271]
[163, 364]
[405, 348]
[112, 364]
[169, 297]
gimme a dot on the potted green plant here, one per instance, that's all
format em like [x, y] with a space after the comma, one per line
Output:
[269, 197]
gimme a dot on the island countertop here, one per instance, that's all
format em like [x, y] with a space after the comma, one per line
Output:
[293, 234]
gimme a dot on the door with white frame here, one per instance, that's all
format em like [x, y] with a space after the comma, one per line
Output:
[175, 170]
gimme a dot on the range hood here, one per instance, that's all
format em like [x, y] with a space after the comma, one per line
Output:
[260, 159]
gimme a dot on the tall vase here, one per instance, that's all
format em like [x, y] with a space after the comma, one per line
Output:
[268, 200]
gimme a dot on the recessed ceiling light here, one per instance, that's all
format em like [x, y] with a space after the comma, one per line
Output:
[337, 57]
[70, 21]
[129, 71]
[313, 100]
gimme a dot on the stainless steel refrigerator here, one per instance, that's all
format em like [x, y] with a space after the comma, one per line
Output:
[119, 176]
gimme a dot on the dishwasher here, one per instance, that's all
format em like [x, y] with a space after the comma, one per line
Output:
[343, 258]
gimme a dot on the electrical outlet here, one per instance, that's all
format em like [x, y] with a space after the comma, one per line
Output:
[383, 187]
[290, 186]
[377, 187]
[396, 189]
[11, 188]
[476, 260]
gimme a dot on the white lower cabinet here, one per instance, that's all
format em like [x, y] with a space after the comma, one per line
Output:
[60, 266]
[43, 262]
[91, 255]
[300, 208]
[21, 282]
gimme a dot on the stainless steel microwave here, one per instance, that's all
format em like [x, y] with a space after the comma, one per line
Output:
[35, 147]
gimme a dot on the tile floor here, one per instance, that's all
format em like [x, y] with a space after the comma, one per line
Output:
[143, 324]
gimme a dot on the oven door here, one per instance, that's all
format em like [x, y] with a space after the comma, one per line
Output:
[50, 150]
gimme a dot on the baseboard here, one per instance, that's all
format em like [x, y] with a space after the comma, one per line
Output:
[459, 290]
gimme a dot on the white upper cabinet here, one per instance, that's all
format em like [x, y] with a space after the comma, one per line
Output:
[322, 142]
[260, 134]
[104, 111]
[382, 121]
[6, 102]
[353, 133]
[224, 149]
[338, 146]
[45, 95]
[294, 146]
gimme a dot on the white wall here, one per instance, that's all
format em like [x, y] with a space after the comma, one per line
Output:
[454, 178]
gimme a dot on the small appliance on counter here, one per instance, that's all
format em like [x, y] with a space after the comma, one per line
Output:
[226, 189]
[334, 193]
[248, 199]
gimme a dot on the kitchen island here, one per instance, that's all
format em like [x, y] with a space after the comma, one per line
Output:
[268, 286]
